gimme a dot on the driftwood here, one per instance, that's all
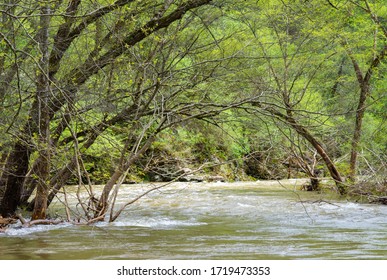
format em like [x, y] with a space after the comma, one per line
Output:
[43, 222]
[379, 200]
[7, 221]
[4, 222]
[26, 223]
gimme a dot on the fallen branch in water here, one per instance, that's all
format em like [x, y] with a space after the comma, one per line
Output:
[5, 222]
[26, 223]
[45, 222]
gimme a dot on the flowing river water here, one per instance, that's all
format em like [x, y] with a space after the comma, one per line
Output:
[255, 220]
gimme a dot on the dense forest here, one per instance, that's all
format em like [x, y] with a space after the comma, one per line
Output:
[111, 92]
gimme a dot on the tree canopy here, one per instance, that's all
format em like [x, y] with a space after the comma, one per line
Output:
[118, 91]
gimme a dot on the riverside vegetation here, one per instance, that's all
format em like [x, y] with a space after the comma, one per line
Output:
[112, 92]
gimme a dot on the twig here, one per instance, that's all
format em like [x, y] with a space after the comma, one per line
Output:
[300, 200]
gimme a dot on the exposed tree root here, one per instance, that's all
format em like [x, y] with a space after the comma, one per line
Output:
[5, 222]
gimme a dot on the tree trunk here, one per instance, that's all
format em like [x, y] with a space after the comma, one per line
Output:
[17, 167]
[357, 131]
[3, 177]
[364, 85]
[315, 182]
[102, 206]
[30, 182]
[321, 151]
[43, 92]
[301, 130]
[7, 24]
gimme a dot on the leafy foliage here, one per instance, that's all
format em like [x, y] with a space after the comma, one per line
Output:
[254, 84]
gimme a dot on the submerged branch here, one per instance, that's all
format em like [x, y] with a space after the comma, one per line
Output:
[26, 223]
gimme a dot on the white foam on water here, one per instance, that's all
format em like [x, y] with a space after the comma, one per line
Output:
[161, 222]
[245, 205]
[19, 230]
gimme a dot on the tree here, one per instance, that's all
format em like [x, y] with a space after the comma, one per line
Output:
[378, 54]
[86, 87]
[43, 118]
[65, 74]
[291, 59]
[125, 87]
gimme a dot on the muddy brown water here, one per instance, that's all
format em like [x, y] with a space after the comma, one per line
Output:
[250, 220]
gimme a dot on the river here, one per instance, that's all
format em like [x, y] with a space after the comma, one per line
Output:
[255, 220]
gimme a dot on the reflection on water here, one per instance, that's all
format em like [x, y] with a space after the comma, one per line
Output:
[261, 220]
